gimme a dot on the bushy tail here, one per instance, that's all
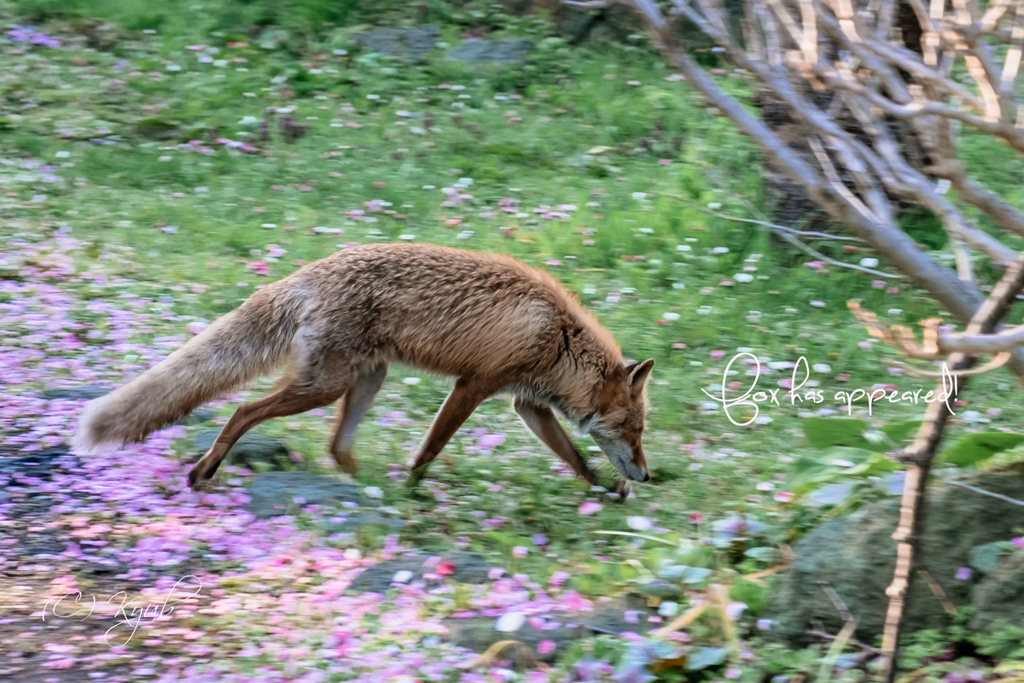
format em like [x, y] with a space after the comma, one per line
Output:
[248, 342]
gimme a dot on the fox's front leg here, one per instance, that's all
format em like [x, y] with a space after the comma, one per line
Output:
[542, 421]
[468, 394]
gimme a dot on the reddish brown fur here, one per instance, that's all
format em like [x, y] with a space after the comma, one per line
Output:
[489, 320]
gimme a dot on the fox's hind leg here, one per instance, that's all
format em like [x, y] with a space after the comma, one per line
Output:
[351, 411]
[468, 394]
[290, 400]
[317, 379]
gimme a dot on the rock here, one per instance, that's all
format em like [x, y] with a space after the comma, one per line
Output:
[509, 51]
[610, 618]
[252, 451]
[469, 568]
[837, 493]
[479, 633]
[412, 44]
[856, 556]
[274, 493]
[83, 393]
[351, 521]
[156, 128]
[610, 23]
[1000, 595]
[36, 464]
[198, 417]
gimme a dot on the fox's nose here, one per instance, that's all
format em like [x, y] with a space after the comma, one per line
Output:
[647, 477]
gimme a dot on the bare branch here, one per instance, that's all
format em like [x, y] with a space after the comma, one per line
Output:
[921, 453]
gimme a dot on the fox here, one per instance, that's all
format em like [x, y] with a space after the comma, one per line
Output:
[490, 321]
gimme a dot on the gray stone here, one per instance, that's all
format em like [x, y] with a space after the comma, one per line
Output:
[468, 568]
[412, 44]
[353, 520]
[198, 417]
[83, 393]
[1000, 595]
[273, 493]
[509, 51]
[479, 633]
[611, 23]
[856, 556]
[253, 450]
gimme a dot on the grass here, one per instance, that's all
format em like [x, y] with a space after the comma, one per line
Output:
[170, 214]
[569, 164]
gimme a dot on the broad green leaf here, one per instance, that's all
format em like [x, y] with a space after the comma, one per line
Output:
[876, 464]
[902, 432]
[751, 594]
[660, 589]
[589, 584]
[769, 555]
[813, 471]
[672, 572]
[984, 558]
[707, 656]
[695, 575]
[974, 448]
[825, 432]
[617, 571]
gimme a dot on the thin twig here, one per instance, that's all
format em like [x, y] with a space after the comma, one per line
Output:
[767, 224]
[937, 591]
[824, 635]
[828, 663]
[790, 235]
[837, 602]
[999, 496]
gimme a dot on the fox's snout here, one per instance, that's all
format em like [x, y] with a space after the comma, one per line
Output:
[635, 472]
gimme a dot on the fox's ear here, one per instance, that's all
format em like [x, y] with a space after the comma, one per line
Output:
[638, 376]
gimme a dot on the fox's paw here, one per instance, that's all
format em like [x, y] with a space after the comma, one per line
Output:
[621, 487]
[415, 476]
[197, 478]
[346, 462]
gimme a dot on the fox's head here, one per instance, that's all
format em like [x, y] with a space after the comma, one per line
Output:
[619, 423]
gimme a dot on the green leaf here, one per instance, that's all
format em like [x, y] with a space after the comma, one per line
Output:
[876, 464]
[809, 472]
[902, 432]
[974, 448]
[769, 555]
[589, 584]
[660, 589]
[617, 572]
[753, 595]
[984, 558]
[695, 575]
[825, 432]
[707, 656]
